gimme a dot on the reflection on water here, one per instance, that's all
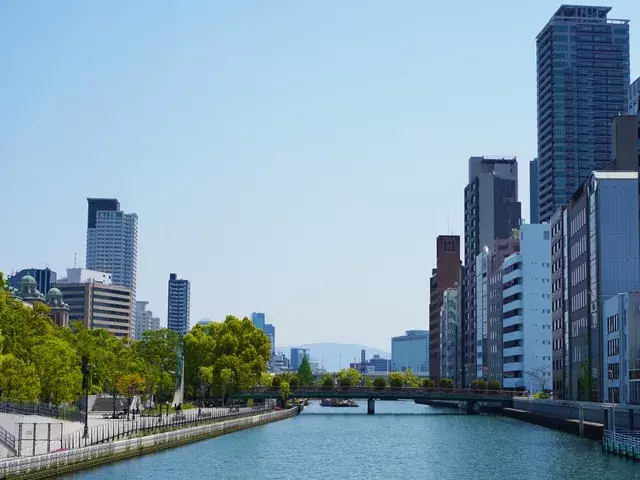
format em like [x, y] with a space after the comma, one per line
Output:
[401, 441]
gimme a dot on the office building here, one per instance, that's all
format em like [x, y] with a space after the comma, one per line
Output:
[633, 97]
[492, 343]
[623, 144]
[145, 321]
[621, 348]
[99, 305]
[84, 275]
[258, 319]
[596, 255]
[526, 312]
[534, 186]
[583, 82]
[444, 276]
[411, 352]
[297, 354]
[179, 301]
[45, 278]
[450, 335]
[270, 332]
[112, 243]
[491, 210]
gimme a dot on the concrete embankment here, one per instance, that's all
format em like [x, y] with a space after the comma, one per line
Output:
[566, 415]
[57, 463]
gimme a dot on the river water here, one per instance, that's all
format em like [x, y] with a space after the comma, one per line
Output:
[401, 441]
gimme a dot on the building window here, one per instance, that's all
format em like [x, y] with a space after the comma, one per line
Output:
[449, 246]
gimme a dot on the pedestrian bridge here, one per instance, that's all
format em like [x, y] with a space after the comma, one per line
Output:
[471, 397]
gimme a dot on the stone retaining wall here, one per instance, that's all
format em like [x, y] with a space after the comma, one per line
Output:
[57, 463]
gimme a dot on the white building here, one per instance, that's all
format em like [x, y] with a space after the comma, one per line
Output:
[411, 351]
[450, 366]
[621, 348]
[84, 275]
[145, 321]
[112, 243]
[526, 321]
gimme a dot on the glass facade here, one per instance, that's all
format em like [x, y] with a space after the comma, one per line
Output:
[583, 82]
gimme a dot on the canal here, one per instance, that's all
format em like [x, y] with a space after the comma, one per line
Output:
[401, 441]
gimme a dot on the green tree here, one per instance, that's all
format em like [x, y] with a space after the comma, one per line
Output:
[379, 383]
[410, 380]
[158, 351]
[18, 380]
[349, 377]
[285, 391]
[327, 380]
[275, 381]
[494, 385]
[226, 376]
[368, 382]
[428, 383]
[266, 379]
[206, 380]
[58, 367]
[305, 375]
[396, 380]
[446, 383]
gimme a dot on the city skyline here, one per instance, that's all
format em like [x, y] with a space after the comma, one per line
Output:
[313, 254]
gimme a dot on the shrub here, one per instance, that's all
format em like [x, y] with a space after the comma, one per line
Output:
[428, 383]
[379, 383]
[345, 382]
[275, 381]
[479, 384]
[396, 380]
[328, 381]
[294, 381]
[446, 383]
[540, 395]
[494, 385]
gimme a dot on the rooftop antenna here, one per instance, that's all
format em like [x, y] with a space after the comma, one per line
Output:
[74, 259]
[448, 225]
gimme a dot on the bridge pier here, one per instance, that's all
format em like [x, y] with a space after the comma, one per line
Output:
[472, 408]
[371, 406]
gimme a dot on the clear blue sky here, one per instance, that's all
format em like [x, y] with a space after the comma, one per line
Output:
[294, 157]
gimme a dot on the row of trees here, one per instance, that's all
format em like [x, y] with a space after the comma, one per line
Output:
[40, 361]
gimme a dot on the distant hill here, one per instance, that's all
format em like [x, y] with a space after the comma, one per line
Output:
[331, 352]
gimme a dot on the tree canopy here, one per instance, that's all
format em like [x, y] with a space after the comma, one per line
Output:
[40, 361]
[305, 375]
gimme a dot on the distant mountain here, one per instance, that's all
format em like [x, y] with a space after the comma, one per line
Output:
[329, 354]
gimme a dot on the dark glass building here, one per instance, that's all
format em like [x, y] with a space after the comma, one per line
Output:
[45, 278]
[583, 82]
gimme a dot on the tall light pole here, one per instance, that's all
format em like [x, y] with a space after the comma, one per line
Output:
[85, 386]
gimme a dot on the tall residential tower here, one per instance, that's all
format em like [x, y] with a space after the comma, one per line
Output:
[583, 82]
[178, 316]
[112, 244]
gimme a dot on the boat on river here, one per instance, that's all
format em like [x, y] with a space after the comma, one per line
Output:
[335, 402]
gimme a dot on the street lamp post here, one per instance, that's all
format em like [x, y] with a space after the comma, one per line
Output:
[85, 385]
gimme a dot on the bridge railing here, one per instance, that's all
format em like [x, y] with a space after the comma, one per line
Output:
[312, 390]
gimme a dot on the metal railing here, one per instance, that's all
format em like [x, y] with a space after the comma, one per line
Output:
[42, 409]
[417, 391]
[8, 439]
[623, 442]
[145, 425]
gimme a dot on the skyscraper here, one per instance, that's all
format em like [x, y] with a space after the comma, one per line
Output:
[583, 82]
[178, 316]
[534, 186]
[112, 244]
[491, 210]
[444, 276]
[258, 320]
[270, 331]
[145, 321]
